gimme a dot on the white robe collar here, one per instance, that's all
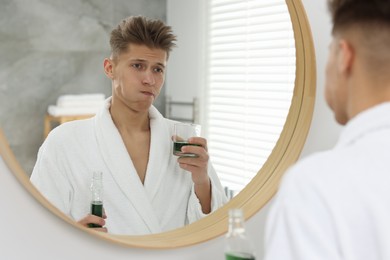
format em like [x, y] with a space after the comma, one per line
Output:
[366, 122]
[121, 167]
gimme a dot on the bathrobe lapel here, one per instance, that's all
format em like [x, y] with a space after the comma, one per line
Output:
[159, 153]
[121, 167]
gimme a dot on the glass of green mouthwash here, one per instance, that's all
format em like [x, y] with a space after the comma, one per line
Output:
[182, 132]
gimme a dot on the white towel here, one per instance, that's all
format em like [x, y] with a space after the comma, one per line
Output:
[80, 100]
[72, 111]
[80, 103]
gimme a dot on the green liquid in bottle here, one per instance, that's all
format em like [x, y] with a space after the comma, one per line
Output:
[97, 210]
[239, 256]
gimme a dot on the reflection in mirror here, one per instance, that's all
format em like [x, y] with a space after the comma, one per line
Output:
[148, 189]
[246, 104]
[243, 56]
[241, 136]
[263, 185]
[55, 59]
[251, 75]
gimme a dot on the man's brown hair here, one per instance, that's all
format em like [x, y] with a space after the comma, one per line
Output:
[369, 21]
[346, 13]
[141, 31]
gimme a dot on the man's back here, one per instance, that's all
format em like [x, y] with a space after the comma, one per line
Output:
[336, 204]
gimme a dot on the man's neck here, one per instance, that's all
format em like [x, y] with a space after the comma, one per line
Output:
[127, 119]
[367, 93]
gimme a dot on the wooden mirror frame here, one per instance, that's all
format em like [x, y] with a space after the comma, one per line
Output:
[263, 186]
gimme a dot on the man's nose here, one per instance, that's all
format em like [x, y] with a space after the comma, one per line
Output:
[149, 78]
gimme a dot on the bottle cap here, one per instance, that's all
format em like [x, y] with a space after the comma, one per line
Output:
[97, 175]
[236, 213]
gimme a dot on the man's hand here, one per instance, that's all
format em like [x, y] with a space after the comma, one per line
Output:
[198, 167]
[92, 219]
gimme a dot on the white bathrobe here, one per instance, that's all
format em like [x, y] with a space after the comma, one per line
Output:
[336, 204]
[166, 200]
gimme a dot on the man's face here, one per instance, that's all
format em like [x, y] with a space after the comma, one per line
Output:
[138, 75]
[335, 90]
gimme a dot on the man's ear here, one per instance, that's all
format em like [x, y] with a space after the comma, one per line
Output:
[108, 68]
[345, 57]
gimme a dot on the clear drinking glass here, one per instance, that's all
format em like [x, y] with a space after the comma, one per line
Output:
[181, 133]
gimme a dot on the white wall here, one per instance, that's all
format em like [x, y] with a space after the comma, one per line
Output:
[324, 130]
[184, 62]
[30, 231]
[185, 75]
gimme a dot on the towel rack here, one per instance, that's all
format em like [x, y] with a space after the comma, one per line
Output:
[183, 111]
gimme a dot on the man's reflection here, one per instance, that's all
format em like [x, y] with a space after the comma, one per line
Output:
[146, 188]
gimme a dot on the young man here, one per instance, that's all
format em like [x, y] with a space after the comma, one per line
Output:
[146, 188]
[336, 204]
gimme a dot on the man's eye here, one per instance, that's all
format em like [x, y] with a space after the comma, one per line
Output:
[137, 66]
[159, 70]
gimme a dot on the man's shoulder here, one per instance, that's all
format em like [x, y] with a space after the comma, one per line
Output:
[318, 166]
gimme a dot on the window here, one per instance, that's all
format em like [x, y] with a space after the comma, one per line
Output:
[250, 83]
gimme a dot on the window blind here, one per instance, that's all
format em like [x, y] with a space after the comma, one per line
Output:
[251, 74]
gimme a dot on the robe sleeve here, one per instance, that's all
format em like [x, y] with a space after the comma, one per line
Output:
[218, 198]
[49, 175]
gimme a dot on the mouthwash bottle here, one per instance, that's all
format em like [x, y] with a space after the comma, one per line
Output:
[237, 244]
[97, 197]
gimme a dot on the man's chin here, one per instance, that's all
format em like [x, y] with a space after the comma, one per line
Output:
[144, 105]
[342, 120]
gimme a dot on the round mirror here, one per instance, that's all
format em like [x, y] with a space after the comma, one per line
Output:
[252, 198]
